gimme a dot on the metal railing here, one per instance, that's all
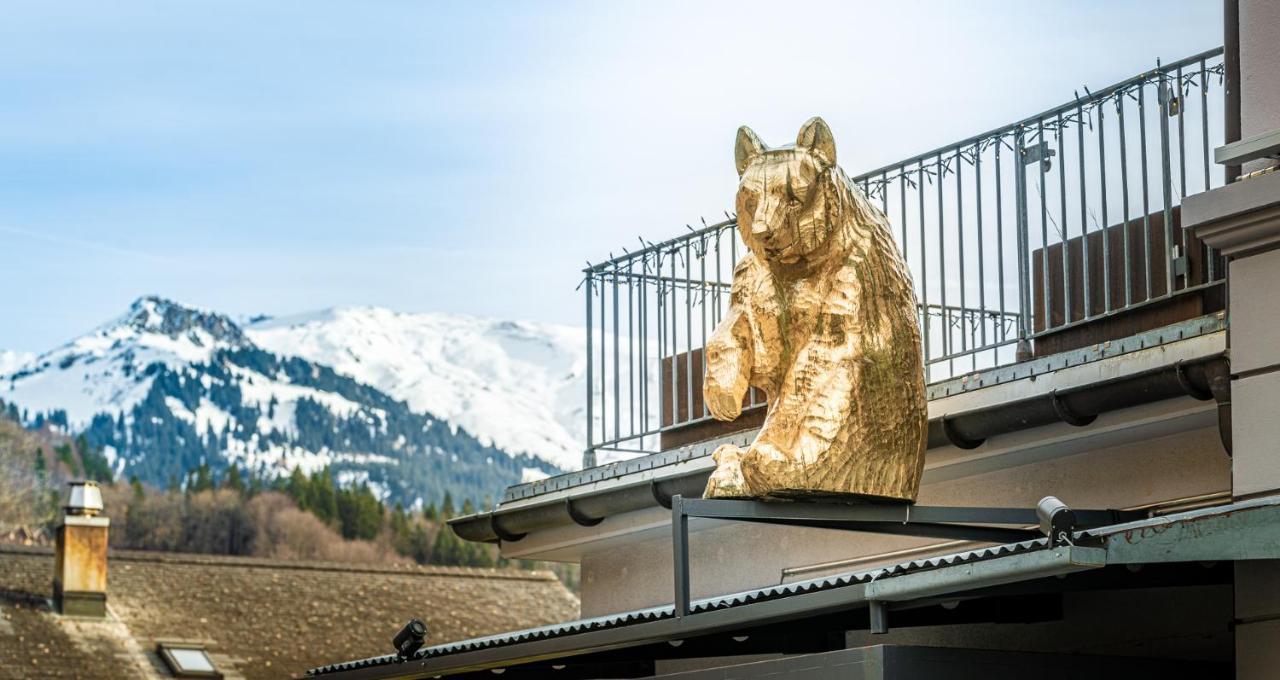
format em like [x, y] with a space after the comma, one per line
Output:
[1028, 230]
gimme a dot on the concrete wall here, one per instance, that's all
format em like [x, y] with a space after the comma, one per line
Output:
[727, 558]
[1259, 70]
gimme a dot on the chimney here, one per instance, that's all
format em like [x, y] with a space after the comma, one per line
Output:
[80, 565]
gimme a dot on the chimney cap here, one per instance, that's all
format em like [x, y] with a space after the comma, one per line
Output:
[84, 498]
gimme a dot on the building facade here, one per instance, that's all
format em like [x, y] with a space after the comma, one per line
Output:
[1095, 284]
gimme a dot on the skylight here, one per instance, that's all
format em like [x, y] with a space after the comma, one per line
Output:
[187, 660]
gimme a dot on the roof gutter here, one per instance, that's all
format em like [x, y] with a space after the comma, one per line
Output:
[1205, 379]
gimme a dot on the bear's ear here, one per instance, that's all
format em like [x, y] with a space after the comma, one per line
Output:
[747, 147]
[816, 137]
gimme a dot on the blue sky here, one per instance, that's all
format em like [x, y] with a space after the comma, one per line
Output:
[279, 157]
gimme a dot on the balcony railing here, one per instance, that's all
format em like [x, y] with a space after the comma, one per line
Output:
[1059, 230]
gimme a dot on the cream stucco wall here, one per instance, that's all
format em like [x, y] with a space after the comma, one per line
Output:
[727, 558]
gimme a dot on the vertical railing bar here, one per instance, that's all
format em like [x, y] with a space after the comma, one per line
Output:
[924, 275]
[631, 345]
[1000, 260]
[1204, 131]
[982, 251]
[1086, 276]
[688, 327]
[942, 270]
[1146, 193]
[1166, 181]
[604, 373]
[1062, 213]
[1044, 229]
[675, 343]
[884, 193]
[702, 264]
[715, 316]
[1204, 120]
[617, 368]
[644, 350]
[902, 198]
[1182, 148]
[588, 456]
[660, 315]
[1124, 201]
[964, 343]
[1105, 224]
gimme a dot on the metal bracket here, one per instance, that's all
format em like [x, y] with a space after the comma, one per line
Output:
[958, 440]
[501, 533]
[579, 518]
[662, 499]
[1065, 414]
[1184, 381]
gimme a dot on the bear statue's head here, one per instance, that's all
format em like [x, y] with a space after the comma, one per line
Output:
[786, 195]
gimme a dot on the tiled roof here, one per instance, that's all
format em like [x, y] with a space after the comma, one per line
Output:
[258, 618]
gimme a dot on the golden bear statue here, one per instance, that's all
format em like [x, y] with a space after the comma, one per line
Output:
[822, 318]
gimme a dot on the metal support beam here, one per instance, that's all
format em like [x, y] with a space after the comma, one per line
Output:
[879, 617]
[680, 554]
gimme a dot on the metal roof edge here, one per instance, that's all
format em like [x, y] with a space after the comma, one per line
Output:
[1242, 530]
[968, 429]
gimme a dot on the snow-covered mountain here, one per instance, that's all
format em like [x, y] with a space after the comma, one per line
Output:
[165, 387]
[12, 360]
[518, 385]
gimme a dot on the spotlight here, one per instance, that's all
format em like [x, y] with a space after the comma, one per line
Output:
[410, 638]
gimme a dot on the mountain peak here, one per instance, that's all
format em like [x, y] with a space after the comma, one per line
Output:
[155, 314]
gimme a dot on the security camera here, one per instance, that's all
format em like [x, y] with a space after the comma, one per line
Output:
[410, 638]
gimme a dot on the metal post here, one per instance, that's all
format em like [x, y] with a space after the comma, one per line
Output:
[879, 617]
[1166, 182]
[1023, 352]
[589, 454]
[680, 555]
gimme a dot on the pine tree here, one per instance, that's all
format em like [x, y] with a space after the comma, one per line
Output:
[233, 480]
[41, 467]
[298, 488]
[448, 549]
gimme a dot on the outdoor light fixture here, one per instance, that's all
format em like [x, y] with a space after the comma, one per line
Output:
[1057, 521]
[410, 638]
[187, 660]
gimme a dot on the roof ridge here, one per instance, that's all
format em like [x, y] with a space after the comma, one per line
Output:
[118, 555]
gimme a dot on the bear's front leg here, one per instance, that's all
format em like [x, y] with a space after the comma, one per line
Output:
[726, 481]
[728, 366]
[796, 450]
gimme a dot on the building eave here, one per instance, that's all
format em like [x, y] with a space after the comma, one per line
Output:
[1186, 359]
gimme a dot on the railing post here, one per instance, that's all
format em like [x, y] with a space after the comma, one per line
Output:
[589, 453]
[1023, 351]
[1166, 179]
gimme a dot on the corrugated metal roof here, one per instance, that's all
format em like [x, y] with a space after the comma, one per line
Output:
[700, 606]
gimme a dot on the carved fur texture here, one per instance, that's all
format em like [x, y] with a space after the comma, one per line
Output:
[822, 318]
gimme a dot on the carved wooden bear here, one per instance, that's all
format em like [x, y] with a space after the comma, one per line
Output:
[823, 318]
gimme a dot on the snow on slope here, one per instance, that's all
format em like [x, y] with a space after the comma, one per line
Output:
[99, 372]
[519, 385]
[105, 371]
[12, 360]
